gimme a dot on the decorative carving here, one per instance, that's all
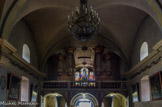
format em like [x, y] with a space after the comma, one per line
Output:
[4, 61]
[98, 56]
[56, 85]
[9, 57]
[108, 64]
[147, 67]
[65, 85]
[61, 64]
[70, 60]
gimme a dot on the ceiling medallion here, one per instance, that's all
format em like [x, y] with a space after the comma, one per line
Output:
[84, 24]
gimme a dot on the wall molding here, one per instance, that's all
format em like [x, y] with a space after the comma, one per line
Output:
[8, 55]
[153, 63]
[151, 60]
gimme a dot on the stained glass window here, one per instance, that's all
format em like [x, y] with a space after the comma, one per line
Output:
[84, 77]
[91, 76]
[77, 76]
[84, 74]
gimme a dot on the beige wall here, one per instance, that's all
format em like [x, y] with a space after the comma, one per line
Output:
[20, 35]
[148, 32]
[145, 90]
[148, 68]
[1, 7]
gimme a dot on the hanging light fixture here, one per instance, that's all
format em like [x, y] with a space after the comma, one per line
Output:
[84, 24]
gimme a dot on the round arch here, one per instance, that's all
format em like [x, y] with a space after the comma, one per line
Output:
[81, 96]
[53, 94]
[50, 93]
[116, 49]
[120, 94]
[114, 99]
[54, 100]
[11, 18]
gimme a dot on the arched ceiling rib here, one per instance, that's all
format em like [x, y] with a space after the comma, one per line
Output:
[24, 7]
[48, 20]
[47, 24]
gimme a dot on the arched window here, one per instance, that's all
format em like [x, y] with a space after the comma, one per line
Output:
[26, 53]
[145, 89]
[144, 51]
[25, 89]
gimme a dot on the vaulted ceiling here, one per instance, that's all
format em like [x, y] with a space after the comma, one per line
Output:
[120, 21]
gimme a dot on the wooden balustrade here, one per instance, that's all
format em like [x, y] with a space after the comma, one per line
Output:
[84, 85]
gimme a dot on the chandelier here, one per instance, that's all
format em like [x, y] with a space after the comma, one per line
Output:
[84, 24]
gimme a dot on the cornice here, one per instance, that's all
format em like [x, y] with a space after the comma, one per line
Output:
[151, 60]
[8, 54]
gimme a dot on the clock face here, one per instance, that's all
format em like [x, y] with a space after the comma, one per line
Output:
[3, 82]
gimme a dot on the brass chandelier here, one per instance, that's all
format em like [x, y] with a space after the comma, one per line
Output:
[84, 24]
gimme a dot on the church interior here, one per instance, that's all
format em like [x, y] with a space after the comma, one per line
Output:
[81, 53]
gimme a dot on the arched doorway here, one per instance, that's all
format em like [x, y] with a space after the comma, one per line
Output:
[114, 100]
[84, 100]
[54, 100]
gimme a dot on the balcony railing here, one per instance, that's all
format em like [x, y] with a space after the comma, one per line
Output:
[84, 85]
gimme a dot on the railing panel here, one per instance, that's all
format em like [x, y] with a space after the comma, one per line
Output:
[84, 85]
[55, 85]
[115, 85]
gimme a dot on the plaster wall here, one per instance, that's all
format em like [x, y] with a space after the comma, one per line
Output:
[148, 32]
[145, 89]
[10, 68]
[25, 90]
[51, 68]
[20, 35]
[1, 8]
[19, 73]
[148, 72]
[3, 94]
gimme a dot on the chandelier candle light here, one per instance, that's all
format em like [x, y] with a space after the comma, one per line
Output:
[84, 25]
